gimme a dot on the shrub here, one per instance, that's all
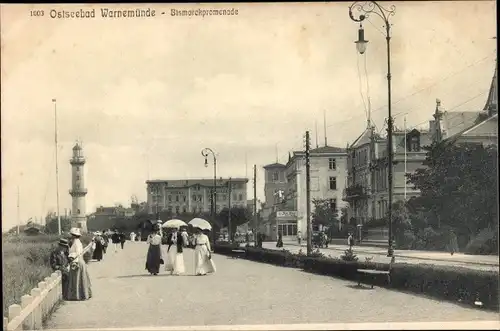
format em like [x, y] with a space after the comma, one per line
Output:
[349, 255]
[485, 243]
[443, 282]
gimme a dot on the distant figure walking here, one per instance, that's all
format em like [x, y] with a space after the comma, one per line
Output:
[123, 239]
[115, 239]
[105, 243]
[99, 246]
[132, 236]
[79, 286]
[59, 261]
[154, 257]
[453, 243]
[175, 259]
[279, 244]
[350, 240]
[203, 262]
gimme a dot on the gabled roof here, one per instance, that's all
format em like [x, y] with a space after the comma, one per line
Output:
[363, 139]
[274, 165]
[328, 149]
[470, 131]
[456, 122]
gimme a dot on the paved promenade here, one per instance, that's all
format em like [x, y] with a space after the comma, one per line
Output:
[240, 293]
[404, 256]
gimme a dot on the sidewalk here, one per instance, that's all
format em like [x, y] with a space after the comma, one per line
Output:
[489, 260]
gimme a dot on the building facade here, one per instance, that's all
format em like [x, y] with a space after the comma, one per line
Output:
[194, 195]
[286, 211]
[78, 190]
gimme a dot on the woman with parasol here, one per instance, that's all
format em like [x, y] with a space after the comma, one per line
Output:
[175, 245]
[202, 252]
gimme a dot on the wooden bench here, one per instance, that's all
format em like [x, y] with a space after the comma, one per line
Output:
[372, 273]
[237, 252]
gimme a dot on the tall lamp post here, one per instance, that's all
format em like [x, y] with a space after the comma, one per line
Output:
[213, 205]
[364, 9]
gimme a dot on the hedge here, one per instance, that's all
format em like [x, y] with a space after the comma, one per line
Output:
[457, 284]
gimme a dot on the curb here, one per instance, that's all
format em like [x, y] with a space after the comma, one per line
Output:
[413, 257]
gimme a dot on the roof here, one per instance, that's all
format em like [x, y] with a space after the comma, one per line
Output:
[328, 149]
[274, 165]
[192, 182]
[363, 139]
[77, 147]
[492, 101]
[470, 130]
[456, 122]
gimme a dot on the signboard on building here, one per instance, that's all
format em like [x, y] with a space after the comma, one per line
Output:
[286, 213]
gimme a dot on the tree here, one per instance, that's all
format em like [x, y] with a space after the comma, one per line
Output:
[324, 213]
[52, 226]
[239, 216]
[458, 187]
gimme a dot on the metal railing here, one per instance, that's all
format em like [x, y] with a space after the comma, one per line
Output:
[37, 306]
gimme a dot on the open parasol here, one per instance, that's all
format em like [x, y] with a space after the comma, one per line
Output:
[174, 224]
[200, 223]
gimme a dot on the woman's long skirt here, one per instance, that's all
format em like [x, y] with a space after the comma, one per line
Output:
[64, 284]
[175, 261]
[79, 286]
[98, 251]
[202, 263]
[153, 259]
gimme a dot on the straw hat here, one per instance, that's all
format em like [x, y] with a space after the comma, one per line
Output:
[75, 232]
[63, 242]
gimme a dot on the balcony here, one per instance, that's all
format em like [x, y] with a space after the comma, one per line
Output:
[354, 192]
[78, 192]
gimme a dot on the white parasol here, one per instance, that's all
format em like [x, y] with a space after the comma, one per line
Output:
[174, 224]
[200, 223]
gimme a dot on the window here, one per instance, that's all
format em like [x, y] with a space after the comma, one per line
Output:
[170, 198]
[77, 168]
[184, 198]
[332, 164]
[170, 209]
[276, 176]
[176, 198]
[77, 177]
[333, 183]
[194, 197]
[184, 209]
[177, 209]
[414, 144]
[240, 197]
[200, 198]
[333, 204]
[78, 211]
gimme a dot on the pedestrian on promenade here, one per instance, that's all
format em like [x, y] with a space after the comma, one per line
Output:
[97, 254]
[132, 236]
[123, 239]
[452, 243]
[79, 286]
[154, 257]
[203, 262]
[350, 240]
[115, 239]
[59, 261]
[279, 244]
[299, 237]
[175, 257]
[105, 239]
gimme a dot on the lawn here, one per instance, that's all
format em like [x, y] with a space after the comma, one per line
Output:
[25, 262]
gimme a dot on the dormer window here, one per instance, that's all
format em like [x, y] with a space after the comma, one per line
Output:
[413, 141]
[276, 176]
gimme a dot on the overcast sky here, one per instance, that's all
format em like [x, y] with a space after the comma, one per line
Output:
[152, 93]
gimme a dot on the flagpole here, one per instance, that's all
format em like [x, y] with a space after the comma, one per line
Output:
[57, 167]
[405, 156]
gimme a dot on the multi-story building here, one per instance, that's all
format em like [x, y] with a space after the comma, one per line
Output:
[367, 182]
[328, 175]
[194, 195]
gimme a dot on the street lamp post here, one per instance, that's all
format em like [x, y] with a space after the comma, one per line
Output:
[213, 206]
[364, 9]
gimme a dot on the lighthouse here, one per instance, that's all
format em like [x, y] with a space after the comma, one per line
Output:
[78, 190]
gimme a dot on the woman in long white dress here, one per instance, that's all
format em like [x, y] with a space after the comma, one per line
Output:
[204, 263]
[175, 257]
[79, 286]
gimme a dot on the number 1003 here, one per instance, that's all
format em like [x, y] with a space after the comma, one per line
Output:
[36, 13]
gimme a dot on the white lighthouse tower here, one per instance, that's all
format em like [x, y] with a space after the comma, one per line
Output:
[78, 190]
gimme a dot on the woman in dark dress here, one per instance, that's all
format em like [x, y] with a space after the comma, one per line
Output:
[154, 258]
[99, 247]
[59, 261]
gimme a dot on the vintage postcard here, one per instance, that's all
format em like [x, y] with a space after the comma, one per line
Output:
[250, 166]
